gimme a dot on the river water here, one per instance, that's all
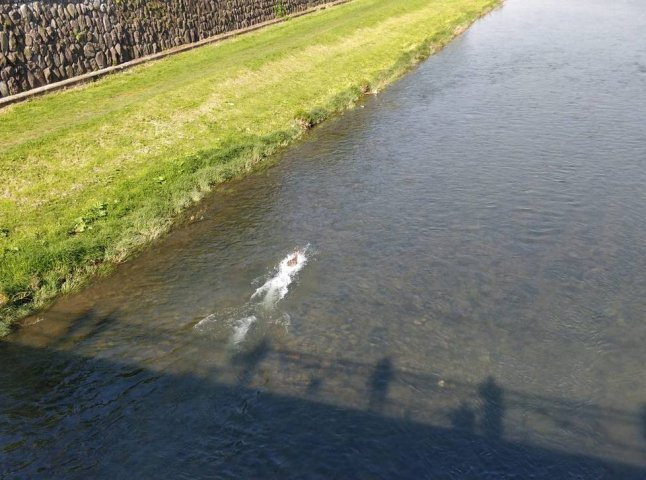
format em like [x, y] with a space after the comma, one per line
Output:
[469, 299]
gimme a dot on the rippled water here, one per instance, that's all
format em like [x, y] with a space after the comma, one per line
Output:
[472, 302]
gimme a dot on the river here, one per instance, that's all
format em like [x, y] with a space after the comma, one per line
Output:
[469, 300]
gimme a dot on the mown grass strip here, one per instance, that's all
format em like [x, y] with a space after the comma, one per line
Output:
[91, 175]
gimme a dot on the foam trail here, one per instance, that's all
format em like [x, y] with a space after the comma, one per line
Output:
[205, 321]
[275, 289]
[241, 329]
[262, 304]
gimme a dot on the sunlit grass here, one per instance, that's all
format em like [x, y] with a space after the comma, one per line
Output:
[90, 175]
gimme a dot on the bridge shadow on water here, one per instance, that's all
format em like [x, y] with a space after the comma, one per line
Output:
[67, 416]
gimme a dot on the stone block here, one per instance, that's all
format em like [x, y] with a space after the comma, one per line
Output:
[25, 13]
[14, 86]
[89, 51]
[33, 83]
[101, 60]
[4, 42]
[40, 77]
[71, 10]
[114, 57]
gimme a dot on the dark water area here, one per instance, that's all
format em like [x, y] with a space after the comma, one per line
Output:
[470, 303]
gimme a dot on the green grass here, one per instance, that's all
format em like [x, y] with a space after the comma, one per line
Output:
[90, 175]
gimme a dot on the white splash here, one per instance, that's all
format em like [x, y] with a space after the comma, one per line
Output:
[202, 324]
[275, 289]
[262, 304]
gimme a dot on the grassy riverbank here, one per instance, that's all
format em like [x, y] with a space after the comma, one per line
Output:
[90, 175]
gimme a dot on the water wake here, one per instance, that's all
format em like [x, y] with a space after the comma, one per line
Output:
[263, 302]
[241, 328]
[275, 289]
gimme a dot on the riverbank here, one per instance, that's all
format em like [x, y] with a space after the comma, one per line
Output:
[91, 175]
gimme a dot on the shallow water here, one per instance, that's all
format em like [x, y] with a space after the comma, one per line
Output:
[471, 306]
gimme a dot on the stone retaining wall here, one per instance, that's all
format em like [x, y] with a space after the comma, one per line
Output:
[44, 42]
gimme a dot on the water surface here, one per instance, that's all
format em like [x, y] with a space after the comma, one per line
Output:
[471, 304]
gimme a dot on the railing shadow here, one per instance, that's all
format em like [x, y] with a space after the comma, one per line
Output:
[378, 384]
[67, 416]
